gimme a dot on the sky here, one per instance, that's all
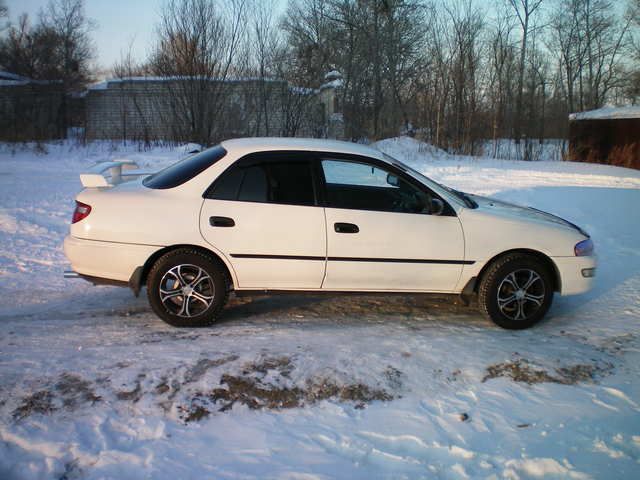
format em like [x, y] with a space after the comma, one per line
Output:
[122, 24]
[119, 25]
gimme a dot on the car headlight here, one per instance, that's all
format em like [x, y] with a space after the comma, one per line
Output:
[584, 248]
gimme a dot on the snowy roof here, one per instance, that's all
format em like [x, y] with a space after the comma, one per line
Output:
[4, 75]
[15, 83]
[332, 75]
[105, 84]
[8, 79]
[607, 113]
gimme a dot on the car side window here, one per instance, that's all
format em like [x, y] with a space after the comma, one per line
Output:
[227, 186]
[364, 186]
[269, 181]
[254, 185]
[291, 183]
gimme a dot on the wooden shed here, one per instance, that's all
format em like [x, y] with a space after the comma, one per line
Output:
[607, 135]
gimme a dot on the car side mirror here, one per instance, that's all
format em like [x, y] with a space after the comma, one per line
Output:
[437, 206]
[393, 180]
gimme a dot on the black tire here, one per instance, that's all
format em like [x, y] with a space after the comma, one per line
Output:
[177, 272]
[497, 282]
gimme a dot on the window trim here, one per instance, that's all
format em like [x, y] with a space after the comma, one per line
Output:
[314, 159]
[448, 211]
[272, 156]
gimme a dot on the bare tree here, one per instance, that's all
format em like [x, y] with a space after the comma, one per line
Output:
[376, 45]
[565, 39]
[633, 13]
[591, 41]
[502, 68]
[57, 47]
[632, 89]
[4, 14]
[197, 42]
[136, 105]
[264, 41]
[524, 10]
[66, 22]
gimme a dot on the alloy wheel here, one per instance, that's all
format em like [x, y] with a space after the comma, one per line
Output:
[186, 290]
[521, 294]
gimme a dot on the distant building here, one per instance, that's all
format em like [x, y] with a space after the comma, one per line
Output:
[607, 135]
[142, 108]
[30, 109]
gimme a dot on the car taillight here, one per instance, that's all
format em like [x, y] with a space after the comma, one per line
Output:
[82, 211]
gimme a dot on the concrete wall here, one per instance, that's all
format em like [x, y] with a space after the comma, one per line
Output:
[150, 109]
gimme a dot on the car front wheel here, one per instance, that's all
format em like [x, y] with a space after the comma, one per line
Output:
[516, 291]
[187, 288]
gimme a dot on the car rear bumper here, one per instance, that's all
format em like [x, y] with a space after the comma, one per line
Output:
[576, 274]
[106, 260]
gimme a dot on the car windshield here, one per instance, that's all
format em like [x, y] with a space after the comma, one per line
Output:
[462, 197]
[185, 169]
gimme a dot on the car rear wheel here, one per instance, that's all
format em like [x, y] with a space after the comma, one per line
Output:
[516, 291]
[187, 288]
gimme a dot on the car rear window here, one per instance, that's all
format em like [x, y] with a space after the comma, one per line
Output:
[185, 169]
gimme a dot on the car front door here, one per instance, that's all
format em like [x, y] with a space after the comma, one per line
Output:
[383, 233]
[262, 214]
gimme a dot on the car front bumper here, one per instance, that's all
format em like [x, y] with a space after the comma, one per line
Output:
[574, 274]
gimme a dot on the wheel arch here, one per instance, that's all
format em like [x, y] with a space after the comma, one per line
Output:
[158, 254]
[546, 260]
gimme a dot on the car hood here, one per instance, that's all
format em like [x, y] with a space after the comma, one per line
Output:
[494, 206]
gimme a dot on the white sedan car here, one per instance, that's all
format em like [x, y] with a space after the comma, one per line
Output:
[299, 215]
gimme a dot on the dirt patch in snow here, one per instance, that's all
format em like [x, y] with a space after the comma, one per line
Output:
[132, 395]
[69, 392]
[258, 395]
[619, 344]
[39, 402]
[74, 391]
[266, 384]
[196, 372]
[521, 370]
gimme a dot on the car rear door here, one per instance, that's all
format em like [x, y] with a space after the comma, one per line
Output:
[380, 233]
[262, 214]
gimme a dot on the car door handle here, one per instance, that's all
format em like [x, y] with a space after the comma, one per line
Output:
[221, 222]
[340, 227]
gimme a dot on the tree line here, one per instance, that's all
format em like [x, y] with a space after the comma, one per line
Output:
[455, 72]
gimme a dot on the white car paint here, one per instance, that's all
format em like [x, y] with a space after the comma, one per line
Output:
[130, 222]
[269, 229]
[392, 235]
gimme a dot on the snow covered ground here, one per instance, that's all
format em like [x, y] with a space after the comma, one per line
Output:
[93, 385]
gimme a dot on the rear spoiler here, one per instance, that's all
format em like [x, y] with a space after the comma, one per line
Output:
[108, 174]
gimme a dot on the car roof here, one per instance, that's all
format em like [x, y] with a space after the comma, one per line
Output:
[259, 144]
